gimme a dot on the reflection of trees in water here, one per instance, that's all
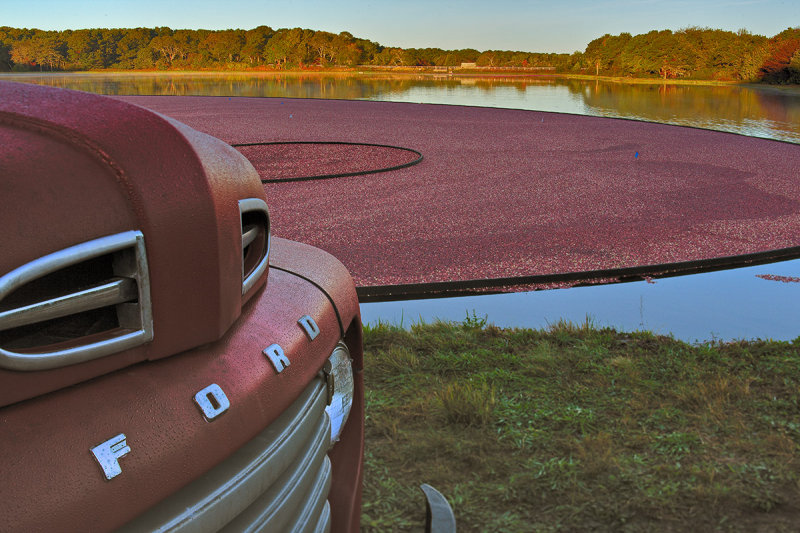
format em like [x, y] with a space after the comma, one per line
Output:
[704, 106]
[718, 107]
[277, 85]
[283, 86]
[781, 107]
[574, 86]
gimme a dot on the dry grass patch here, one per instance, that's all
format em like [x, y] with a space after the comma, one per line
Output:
[580, 429]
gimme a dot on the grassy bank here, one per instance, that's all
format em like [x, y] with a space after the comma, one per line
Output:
[578, 429]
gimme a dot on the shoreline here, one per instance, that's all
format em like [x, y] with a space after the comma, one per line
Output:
[511, 75]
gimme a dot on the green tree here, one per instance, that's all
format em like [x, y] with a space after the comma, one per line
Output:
[277, 49]
[466, 55]
[92, 49]
[289, 47]
[170, 48]
[82, 49]
[389, 57]
[488, 59]
[224, 46]
[131, 43]
[368, 50]
[323, 47]
[753, 53]
[145, 59]
[5, 57]
[594, 53]
[346, 50]
[6, 42]
[794, 68]
[255, 42]
[107, 42]
[43, 49]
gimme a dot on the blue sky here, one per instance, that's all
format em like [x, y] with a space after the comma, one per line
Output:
[533, 25]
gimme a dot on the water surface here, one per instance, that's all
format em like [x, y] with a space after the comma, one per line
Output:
[762, 112]
[726, 305]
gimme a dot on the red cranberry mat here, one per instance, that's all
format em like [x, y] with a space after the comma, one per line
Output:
[311, 160]
[505, 193]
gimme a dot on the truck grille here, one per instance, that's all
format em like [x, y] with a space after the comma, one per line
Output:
[255, 240]
[77, 304]
[279, 481]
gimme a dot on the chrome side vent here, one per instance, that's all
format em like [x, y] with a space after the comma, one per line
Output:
[77, 304]
[255, 240]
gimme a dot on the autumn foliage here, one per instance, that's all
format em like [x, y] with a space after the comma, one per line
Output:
[692, 53]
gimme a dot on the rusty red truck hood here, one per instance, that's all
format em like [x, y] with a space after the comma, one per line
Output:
[79, 168]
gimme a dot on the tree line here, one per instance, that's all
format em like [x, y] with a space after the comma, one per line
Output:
[693, 53]
[699, 53]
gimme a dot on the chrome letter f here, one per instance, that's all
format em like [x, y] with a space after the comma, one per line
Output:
[108, 453]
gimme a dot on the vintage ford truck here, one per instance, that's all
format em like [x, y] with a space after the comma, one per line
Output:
[165, 365]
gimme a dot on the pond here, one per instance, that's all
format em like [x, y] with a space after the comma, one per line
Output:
[758, 111]
[753, 302]
[759, 302]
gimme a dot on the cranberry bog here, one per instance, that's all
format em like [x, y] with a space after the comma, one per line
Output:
[506, 200]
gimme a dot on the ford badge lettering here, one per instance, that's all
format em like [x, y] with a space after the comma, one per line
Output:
[276, 356]
[212, 401]
[108, 453]
[309, 326]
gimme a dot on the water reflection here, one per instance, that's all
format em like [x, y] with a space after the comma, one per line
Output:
[760, 112]
[726, 305]
[763, 112]
[290, 85]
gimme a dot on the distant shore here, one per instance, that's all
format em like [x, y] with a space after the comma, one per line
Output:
[500, 74]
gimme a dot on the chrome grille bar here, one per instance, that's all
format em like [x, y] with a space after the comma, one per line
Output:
[254, 219]
[278, 478]
[115, 292]
[126, 291]
[324, 522]
[249, 234]
[272, 511]
[296, 511]
[306, 520]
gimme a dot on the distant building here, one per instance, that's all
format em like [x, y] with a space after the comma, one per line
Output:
[468, 65]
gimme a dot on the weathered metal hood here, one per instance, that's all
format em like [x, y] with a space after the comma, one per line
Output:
[146, 214]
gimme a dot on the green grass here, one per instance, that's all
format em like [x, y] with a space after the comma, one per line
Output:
[578, 428]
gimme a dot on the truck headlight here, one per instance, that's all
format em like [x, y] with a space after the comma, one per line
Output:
[338, 371]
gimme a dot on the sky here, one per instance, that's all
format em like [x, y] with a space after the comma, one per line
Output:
[531, 26]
